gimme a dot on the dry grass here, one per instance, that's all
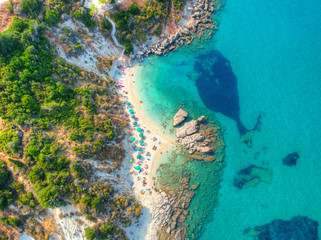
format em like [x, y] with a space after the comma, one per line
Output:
[5, 17]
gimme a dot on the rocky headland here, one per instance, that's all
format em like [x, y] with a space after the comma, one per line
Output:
[196, 136]
[200, 18]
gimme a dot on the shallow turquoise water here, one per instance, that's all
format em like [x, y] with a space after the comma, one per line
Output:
[274, 50]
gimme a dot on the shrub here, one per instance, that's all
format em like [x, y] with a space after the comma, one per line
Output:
[9, 7]
[12, 221]
[36, 174]
[4, 173]
[84, 15]
[31, 7]
[128, 48]
[51, 17]
[90, 233]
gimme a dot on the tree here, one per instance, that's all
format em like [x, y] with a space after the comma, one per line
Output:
[93, 9]
[36, 174]
[128, 48]
[4, 173]
[51, 17]
[31, 7]
[133, 9]
[90, 233]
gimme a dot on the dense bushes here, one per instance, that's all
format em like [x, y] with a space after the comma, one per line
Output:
[106, 25]
[31, 7]
[9, 141]
[12, 221]
[102, 231]
[4, 173]
[52, 17]
[84, 15]
[133, 25]
[7, 193]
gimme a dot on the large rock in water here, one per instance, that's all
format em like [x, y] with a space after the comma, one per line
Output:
[291, 159]
[188, 129]
[179, 117]
[252, 176]
[298, 228]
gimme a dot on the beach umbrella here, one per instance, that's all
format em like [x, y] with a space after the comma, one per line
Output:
[141, 141]
[139, 149]
[132, 139]
[141, 135]
[132, 116]
[139, 156]
[139, 129]
[128, 104]
[138, 167]
[135, 123]
[131, 110]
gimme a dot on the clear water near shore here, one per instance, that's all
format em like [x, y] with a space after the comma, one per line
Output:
[274, 52]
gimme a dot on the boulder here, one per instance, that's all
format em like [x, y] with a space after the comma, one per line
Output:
[298, 228]
[204, 149]
[189, 141]
[188, 129]
[185, 31]
[165, 43]
[180, 234]
[179, 117]
[252, 176]
[201, 119]
[291, 159]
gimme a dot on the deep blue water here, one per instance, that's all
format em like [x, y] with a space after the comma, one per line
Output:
[270, 51]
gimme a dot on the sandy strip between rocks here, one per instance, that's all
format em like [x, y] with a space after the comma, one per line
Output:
[145, 123]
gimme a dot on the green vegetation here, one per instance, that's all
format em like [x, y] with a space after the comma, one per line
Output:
[90, 233]
[52, 17]
[179, 4]
[106, 25]
[102, 231]
[53, 115]
[4, 173]
[7, 192]
[134, 24]
[9, 141]
[9, 6]
[85, 16]
[31, 7]
[12, 221]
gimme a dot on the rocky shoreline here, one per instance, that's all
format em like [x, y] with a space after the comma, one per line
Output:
[200, 12]
[170, 207]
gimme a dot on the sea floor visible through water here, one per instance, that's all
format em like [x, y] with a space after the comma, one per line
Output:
[273, 50]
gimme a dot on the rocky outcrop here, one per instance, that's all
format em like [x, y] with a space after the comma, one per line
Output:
[163, 209]
[193, 140]
[200, 20]
[252, 176]
[188, 129]
[291, 159]
[180, 234]
[179, 117]
[297, 228]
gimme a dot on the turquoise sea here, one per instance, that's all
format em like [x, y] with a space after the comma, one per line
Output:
[270, 51]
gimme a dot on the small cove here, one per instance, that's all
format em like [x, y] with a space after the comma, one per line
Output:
[273, 49]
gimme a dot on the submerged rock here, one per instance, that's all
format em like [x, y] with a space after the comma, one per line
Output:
[179, 117]
[251, 176]
[298, 228]
[291, 159]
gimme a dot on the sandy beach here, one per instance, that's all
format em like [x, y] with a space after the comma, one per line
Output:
[153, 137]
